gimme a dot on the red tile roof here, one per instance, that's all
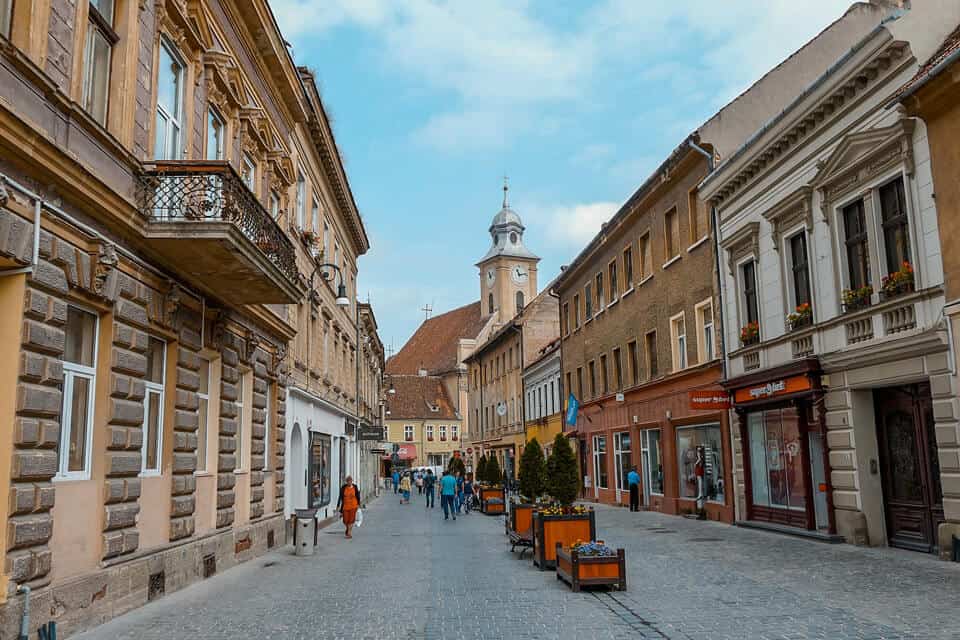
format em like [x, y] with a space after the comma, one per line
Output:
[434, 345]
[949, 46]
[414, 397]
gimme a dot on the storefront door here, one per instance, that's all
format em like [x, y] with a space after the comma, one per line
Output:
[910, 470]
[778, 470]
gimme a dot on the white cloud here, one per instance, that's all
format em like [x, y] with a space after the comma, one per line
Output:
[573, 226]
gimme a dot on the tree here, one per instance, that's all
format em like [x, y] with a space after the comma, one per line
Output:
[533, 471]
[480, 473]
[456, 464]
[493, 475]
[563, 481]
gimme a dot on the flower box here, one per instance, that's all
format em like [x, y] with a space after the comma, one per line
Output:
[591, 571]
[750, 334]
[493, 500]
[801, 317]
[520, 521]
[897, 283]
[548, 530]
[857, 299]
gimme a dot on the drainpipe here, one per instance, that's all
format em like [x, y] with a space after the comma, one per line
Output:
[25, 618]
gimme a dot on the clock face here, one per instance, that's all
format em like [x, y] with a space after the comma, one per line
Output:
[491, 276]
[519, 274]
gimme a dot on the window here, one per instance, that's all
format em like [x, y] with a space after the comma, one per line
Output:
[576, 311]
[326, 234]
[566, 318]
[302, 205]
[651, 343]
[443, 433]
[454, 432]
[203, 413]
[519, 301]
[678, 337]
[319, 470]
[242, 384]
[214, 135]
[652, 460]
[600, 460]
[748, 275]
[249, 173]
[569, 381]
[612, 274]
[634, 362]
[705, 348]
[588, 301]
[408, 433]
[79, 381]
[698, 217]
[6, 11]
[618, 369]
[700, 460]
[600, 298]
[893, 216]
[152, 449]
[621, 457]
[274, 206]
[777, 476]
[96, 58]
[593, 379]
[267, 420]
[671, 233]
[169, 105]
[628, 268]
[799, 271]
[603, 374]
[857, 247]
[580, 384]
[490, 303]
[646, 257]
[315, 218]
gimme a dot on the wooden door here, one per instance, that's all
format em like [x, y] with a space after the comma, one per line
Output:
[910, 472]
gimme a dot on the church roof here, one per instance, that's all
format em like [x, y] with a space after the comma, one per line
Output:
[434, 345]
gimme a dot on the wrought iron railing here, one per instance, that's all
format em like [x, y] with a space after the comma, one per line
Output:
[211, 191]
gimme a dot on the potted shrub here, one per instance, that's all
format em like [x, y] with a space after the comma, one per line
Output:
[750, 334]
[856, 299]
[899, 282]
[586, 564]
[492, 496]
[533, 475]
[561, 522]
[801, 317]
[481, 471]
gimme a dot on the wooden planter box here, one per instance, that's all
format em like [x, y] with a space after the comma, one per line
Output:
[591, 571]
[496, 493]
[521, 519]
[548, 531]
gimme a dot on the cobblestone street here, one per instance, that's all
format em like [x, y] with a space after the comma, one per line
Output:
[408, 574]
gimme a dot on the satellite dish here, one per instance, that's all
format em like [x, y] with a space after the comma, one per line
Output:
[502, 409]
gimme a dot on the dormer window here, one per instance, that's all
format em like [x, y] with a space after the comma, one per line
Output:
[435, 408]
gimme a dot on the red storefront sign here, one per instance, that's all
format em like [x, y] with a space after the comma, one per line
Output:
[772, 389]
[709, 399]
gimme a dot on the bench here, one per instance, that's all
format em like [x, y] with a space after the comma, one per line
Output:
[524, 540]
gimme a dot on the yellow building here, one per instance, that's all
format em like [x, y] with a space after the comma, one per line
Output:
[421, 421]
[543, 397]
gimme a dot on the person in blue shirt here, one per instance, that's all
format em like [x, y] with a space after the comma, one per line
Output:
[396, 481]
[429, 481]
[448, 493]
[633, 480]
[459, 500]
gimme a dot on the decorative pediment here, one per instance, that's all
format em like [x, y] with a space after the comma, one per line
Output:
[174, 19]
[862, 156]
[745, 242]
[794, 209]
[223, 88]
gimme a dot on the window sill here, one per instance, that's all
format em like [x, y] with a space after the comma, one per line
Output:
[203, 474]
[576, 331]
[645, 280]
[599, 312]
[588, 320]
[697, 243]
[150, 474]
[613, 302]
[626, 293]
[666, 265]
[71, 478]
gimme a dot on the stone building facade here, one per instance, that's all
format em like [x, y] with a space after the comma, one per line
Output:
[162, 200]
[422, 422]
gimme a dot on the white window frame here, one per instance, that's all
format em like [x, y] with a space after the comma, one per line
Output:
[678, 341]
[596, 461]
[239, 452]
[250, 172]
[6, 17]
[172, 148]
[315, 217]
[429, 429]
[301, 201]
[647, 469]
[203, 428]
[213, 116]
[454, 432]
[443, 432]
[158, 388]
[71, 371]
[618, 452]
[408, 433]
[95, 27]
[705, 331]
[742, 292]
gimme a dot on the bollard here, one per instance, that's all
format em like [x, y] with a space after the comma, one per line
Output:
[305, 532]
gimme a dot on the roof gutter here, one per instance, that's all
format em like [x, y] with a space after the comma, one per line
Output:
[939, 68]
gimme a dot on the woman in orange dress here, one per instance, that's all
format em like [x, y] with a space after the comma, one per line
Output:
[348, 504]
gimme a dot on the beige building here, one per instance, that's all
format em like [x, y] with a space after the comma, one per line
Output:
[165, 203]
[421, 421]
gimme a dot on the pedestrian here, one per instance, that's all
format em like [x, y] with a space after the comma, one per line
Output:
[348, 503]
[396, 480]
[633, 480]
[429, 483]
[448, 493]
[419, 482]
[405, 489]
[468, 494]
[456, 474]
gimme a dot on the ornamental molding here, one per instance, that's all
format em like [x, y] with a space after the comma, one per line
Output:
[172, 302]
[789, 212]
[251, 341]
[745, 242]
[105, 274]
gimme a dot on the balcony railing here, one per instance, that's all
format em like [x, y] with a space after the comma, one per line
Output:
[195, 197]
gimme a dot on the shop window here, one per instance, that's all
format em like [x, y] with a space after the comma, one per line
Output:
[628, 268]
[215, 130]
[408, 433]
[151, 453]
[893, 218]
[614, 284]
[601, 301]
[776, 461]
[671, 232]
[700, 462]
[6, 14]
[576, 311]
[443, 433]
[618, 369]
[97, 58]
[678, 341]
[652, 460]
[169, 124]
[600, 461]
[301, 206]
[593, 378]
[588, 301]
[79, 382]
[705, 344]
[634, 362]
[653, 369]
[748, 278]
[856, 244]
[605, 385]
[319, 470]
[646, 257]
[621, 452]
[799, 269]
[203, 414]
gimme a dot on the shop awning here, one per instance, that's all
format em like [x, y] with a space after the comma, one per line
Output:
[405, 451]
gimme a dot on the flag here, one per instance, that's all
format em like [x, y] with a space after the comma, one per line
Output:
[572, 408]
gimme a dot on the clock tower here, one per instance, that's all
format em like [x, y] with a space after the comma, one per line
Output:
[508, 271]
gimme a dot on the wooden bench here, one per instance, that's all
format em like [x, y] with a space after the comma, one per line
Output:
[524, 539]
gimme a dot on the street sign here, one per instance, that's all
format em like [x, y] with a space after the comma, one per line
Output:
[372, 432]
[469, 450]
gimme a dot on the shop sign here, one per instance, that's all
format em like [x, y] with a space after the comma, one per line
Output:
[709, 399]
[772, 389]
[370, 432]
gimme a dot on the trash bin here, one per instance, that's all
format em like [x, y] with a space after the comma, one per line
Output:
[305, 532]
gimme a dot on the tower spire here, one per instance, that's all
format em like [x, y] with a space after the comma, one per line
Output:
[506, 187]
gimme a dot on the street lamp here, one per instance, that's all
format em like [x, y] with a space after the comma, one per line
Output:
[342, 299]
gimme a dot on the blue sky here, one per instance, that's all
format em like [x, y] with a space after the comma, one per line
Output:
[433, 102]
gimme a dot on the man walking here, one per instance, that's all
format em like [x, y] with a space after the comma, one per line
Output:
[448, 492]
[633, 480]
[429, 482]
[396, 481]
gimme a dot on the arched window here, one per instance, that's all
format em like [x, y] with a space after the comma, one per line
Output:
[519, 301]
[489, 303]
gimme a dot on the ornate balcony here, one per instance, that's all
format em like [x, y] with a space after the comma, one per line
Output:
[204, 222]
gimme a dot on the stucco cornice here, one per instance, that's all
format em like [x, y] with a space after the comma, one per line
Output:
[791, 210]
